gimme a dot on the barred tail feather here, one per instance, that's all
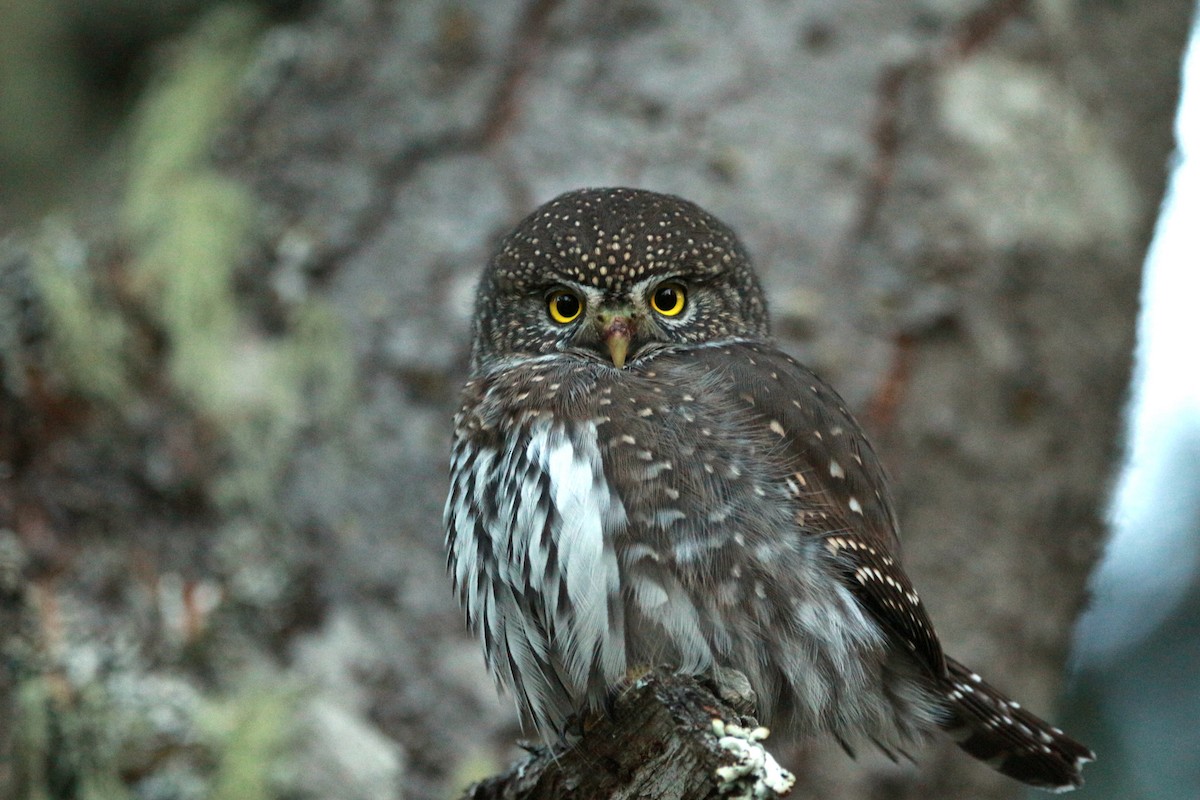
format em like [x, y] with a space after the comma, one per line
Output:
[1006, 737]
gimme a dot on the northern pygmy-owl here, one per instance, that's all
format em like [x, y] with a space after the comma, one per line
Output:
[639, 477]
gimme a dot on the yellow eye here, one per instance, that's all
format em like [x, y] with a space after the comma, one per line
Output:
[668, 299]
[564, 306]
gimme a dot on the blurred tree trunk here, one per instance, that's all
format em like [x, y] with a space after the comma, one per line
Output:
[949, 202]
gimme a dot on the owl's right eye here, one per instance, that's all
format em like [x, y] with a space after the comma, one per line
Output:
[564, 306]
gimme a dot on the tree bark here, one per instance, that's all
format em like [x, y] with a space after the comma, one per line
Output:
[666, 736]
[230, 478]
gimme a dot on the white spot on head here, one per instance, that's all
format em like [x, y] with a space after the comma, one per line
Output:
[856, 506]
[835, 469]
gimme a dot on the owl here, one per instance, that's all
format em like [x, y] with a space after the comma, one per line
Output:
[639, 477]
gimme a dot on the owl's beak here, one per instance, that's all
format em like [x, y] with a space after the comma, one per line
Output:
[616, 331]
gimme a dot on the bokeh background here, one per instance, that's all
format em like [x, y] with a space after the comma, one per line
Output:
[238, 243]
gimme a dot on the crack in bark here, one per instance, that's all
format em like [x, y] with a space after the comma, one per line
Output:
[495, 121]
[526, 47]
[882, 406]
[971, 34]
[980, 27]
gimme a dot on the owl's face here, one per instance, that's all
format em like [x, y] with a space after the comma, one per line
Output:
[611, 275]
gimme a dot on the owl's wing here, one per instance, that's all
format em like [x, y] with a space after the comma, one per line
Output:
[840, 490]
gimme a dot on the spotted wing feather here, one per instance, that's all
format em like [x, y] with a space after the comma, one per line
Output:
[839, 490]
[847, 491]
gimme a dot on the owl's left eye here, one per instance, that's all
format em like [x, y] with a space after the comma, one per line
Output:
[669, 299]
[564, 306]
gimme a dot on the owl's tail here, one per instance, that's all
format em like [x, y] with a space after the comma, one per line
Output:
[1006, 737]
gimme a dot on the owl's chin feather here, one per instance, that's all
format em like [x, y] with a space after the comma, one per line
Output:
[600, 355]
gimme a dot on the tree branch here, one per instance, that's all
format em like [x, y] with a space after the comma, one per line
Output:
[666, 737]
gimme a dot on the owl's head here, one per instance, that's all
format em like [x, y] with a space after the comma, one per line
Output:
[611, 274]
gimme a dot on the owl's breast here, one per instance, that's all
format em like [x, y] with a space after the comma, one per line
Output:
[717, 454]
[662, 513]
[703, 481]
[679, 445]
